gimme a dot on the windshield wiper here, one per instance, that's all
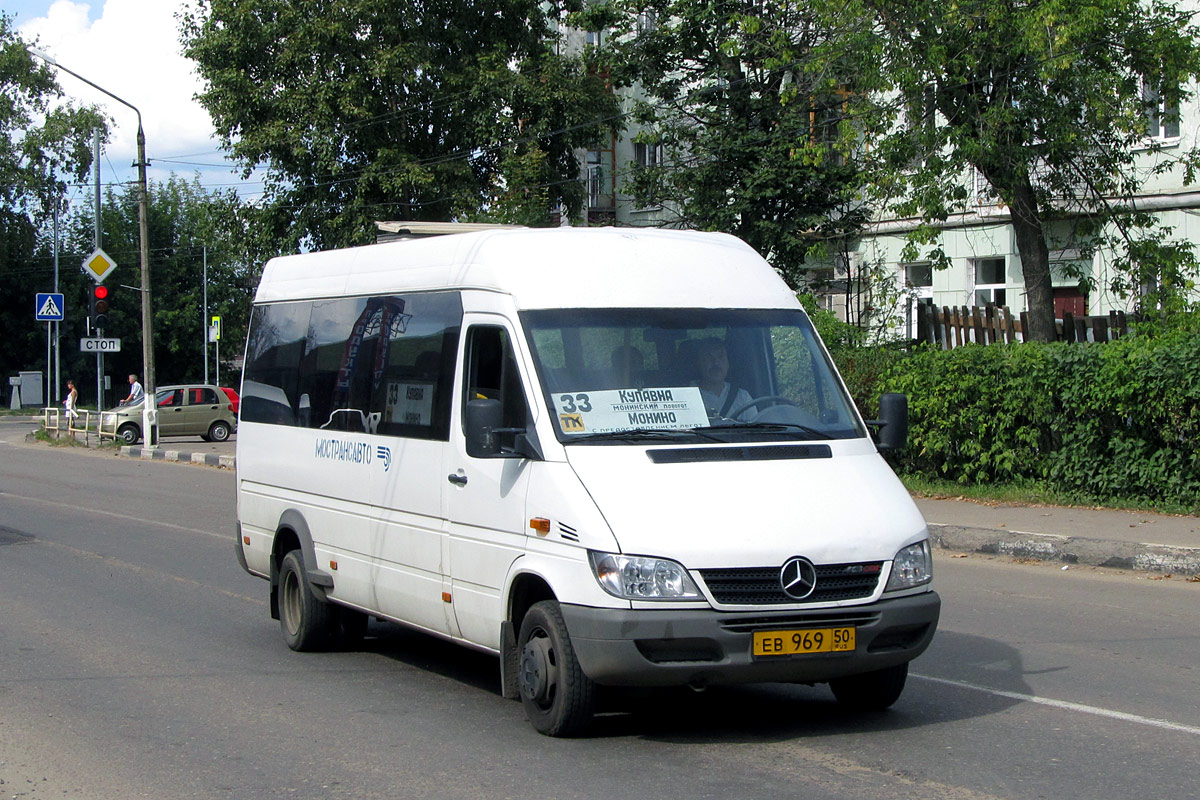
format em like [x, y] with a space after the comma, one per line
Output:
[769, 426]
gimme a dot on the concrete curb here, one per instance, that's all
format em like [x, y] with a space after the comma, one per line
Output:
[157, 453]
[1142, 556]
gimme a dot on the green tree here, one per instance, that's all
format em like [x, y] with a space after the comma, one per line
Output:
[188, 226]
[745, 109]
[43, 144]
[362, 110]
[1050, 101]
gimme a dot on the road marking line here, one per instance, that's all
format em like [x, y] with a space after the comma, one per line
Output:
[126, 517]
[1063, 704]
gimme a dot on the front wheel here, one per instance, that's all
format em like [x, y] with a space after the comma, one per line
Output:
[556, 694]
[129, 433]
[307, 622]
[871, 691]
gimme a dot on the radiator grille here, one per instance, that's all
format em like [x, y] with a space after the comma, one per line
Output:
[760, 585]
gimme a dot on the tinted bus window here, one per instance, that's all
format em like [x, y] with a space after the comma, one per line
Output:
[361, 364]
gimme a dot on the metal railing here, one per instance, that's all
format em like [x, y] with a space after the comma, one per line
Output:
[89, 423]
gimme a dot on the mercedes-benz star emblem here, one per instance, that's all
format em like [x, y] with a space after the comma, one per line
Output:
[798, 577]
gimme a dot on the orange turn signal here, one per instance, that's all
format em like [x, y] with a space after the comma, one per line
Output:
[333, 565]
[445, 597]
[541, 525]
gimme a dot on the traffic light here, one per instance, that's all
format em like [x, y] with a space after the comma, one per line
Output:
[99, 307]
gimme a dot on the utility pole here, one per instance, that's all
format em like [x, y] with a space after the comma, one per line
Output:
[97, 236]
[204, 308]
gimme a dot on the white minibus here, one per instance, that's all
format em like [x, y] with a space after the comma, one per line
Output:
[612, 457]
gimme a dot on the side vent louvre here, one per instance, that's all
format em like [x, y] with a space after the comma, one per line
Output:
[568, 533]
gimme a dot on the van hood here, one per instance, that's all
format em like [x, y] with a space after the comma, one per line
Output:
[726, 511]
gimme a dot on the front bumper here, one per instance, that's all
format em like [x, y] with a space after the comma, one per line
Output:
[704, 647]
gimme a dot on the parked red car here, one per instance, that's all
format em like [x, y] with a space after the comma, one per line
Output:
[235, 400]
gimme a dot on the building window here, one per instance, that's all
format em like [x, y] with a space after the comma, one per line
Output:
[918, 281]
[919, 276]
[989, 281]
[595, 38]
[599, 178]
[647, 155]
[1162, 118]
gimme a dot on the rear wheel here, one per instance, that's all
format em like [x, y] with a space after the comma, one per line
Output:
[871, 691]
[557, 696]
[218, 431]
[306, 621]
[129, 433]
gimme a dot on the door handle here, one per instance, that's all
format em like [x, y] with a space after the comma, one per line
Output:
[457, 480]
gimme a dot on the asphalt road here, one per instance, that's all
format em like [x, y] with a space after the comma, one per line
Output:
[138, 660]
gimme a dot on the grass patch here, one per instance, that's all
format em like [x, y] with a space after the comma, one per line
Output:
[1030, 494]
[62, 440]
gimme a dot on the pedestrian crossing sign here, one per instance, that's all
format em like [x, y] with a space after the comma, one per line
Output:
[48, 307]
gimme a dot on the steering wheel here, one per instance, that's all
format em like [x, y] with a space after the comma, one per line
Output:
[772, 398]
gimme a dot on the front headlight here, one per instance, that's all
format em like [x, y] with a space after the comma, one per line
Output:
[642, 578]
[912, 566]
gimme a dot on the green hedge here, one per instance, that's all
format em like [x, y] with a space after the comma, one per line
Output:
[1114, 420]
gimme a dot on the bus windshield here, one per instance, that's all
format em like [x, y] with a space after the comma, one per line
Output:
[615, 375]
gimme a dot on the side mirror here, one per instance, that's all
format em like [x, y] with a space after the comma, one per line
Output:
[486, 439]
[483, 419]
[892, 425]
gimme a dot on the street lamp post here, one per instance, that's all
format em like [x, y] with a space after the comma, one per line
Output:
[149, 409]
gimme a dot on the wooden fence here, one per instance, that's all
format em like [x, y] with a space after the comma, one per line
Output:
[991, 324]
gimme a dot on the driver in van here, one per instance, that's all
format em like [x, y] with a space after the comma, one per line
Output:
[720, 397]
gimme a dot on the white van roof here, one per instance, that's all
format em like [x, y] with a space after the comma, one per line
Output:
[544, 268]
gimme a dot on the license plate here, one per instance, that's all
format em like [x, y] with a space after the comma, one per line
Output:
[803, 642]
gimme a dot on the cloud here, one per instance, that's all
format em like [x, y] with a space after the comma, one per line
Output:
[132, 49]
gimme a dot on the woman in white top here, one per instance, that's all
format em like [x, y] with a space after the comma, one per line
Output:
[69, 404]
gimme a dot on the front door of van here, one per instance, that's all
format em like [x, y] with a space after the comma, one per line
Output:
[486, 496]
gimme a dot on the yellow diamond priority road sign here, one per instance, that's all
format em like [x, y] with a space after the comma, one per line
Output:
[99, 265]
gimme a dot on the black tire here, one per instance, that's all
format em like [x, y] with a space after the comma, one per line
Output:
[218, 431]
[558, 697]
[306, 621]
[129, 433]
[871, 691]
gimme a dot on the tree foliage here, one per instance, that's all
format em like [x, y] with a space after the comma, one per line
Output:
[749, 109]
[188, 227]
[362, 110]
[1048, 100]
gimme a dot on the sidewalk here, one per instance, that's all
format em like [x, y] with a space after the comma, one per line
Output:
[1135, 540]
[1132, 540]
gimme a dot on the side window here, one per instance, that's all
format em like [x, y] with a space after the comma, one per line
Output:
[360, 364]
[203, 396]
[274, 349]
[170, 399]
[492, 374]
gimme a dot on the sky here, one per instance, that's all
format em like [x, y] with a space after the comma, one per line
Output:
[131, 48]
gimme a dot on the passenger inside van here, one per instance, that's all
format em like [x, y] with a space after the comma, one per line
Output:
[628, 366]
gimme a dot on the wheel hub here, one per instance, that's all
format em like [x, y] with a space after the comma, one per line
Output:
[534, 675]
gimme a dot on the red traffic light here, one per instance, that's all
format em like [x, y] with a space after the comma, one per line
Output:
[100, 292]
